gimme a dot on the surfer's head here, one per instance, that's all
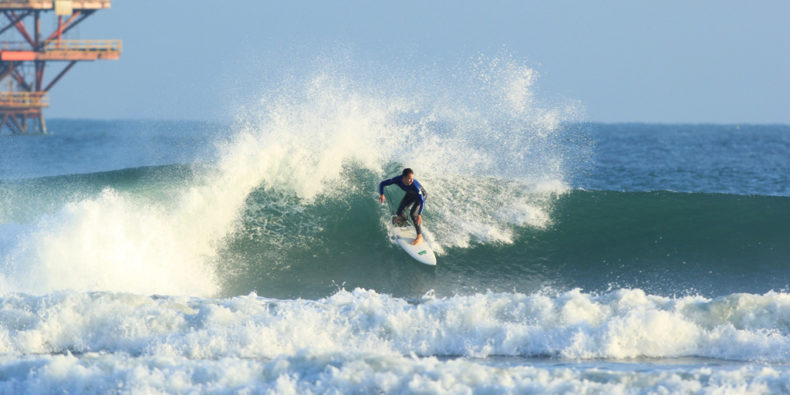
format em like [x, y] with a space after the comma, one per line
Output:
[408, 176]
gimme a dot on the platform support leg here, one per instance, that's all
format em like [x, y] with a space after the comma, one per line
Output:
[2, 124]
[42, 124]
[19, 129]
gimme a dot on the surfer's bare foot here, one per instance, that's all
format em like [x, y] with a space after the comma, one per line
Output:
[416, 241]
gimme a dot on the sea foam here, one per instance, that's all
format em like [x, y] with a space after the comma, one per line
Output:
[361, 341]
[307, 373]
[619, 324]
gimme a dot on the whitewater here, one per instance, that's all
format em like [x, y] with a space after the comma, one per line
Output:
[252, 256]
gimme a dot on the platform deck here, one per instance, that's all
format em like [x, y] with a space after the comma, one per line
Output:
[50, 4]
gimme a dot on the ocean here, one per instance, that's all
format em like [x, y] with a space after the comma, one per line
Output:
[252, 256]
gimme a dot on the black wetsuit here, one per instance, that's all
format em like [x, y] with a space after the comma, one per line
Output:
[414, 197]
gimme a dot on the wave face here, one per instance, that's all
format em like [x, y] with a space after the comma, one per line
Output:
[664, 243]
[282, 245]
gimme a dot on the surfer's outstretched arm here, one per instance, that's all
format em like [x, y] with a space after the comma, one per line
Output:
[383, 184]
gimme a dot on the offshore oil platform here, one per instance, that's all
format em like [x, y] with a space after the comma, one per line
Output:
[26, 50]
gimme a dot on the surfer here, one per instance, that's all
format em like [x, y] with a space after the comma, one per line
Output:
[415, 196]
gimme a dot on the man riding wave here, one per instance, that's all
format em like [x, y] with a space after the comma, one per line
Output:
[414, 197]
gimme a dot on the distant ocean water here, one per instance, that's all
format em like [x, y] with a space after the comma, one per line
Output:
[161, 256]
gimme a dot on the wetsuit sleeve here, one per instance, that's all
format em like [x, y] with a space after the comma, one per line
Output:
[384, 184]
[422, 203]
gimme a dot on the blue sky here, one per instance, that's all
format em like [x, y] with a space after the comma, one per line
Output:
[623, 61]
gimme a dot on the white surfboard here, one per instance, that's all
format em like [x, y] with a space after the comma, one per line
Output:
[404, 235]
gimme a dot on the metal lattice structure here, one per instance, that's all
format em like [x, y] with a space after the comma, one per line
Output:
[24, 61]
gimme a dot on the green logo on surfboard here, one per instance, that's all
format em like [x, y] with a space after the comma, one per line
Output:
[421, 252]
